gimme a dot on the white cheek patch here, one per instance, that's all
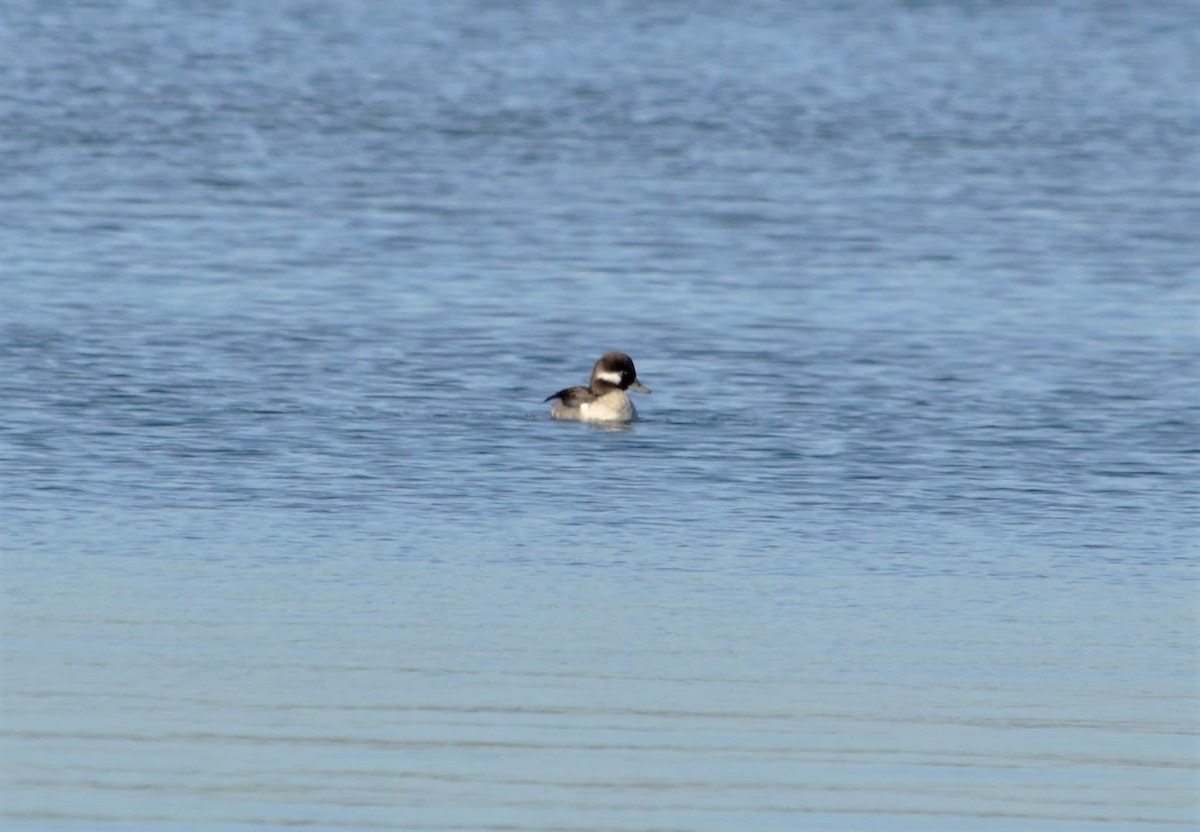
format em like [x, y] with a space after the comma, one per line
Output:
[610, 377]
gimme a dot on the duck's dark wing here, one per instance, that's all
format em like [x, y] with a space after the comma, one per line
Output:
[572, 396]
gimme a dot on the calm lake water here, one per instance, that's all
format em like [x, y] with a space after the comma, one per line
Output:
[905, 540]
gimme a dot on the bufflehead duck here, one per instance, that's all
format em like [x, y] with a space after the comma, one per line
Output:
[604, 399]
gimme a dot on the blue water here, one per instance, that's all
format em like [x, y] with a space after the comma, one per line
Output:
[906, 538]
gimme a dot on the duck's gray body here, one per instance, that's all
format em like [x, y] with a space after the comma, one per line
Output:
[604, 399]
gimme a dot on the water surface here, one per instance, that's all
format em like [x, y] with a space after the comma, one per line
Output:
[906, 537]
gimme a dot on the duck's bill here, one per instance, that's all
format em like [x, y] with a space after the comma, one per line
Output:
[639, 387]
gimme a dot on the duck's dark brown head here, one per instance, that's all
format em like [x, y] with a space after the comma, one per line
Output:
[615, 370]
